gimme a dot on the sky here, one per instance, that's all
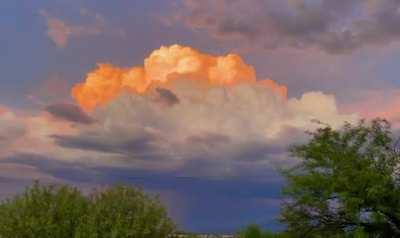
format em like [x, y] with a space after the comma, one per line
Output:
[197, 101]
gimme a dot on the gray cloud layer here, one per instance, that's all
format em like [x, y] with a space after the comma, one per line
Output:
[69, 112]
[335, 26]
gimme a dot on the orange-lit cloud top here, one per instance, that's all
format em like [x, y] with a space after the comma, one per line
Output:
[162, 67]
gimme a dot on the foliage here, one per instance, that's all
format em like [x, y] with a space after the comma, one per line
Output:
[62, 211]
[44, 212]
[346, 184]
[125, 212]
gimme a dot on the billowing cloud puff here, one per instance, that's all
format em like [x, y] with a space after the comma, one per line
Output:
[229, 129]
[335, 26]
[163, 67]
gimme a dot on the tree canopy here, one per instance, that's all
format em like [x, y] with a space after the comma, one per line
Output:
[346, 184]
[43, 211]
[122, 211]
[63, 212]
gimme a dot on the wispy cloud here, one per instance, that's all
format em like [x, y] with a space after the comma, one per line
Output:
[338, 26]
[61, 32]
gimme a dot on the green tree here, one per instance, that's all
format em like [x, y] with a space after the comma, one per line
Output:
[123, 211]
[254, 231]
[346, 185]
[63, 212]
[43, 211]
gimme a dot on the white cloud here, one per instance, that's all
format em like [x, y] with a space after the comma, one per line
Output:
[227, 129]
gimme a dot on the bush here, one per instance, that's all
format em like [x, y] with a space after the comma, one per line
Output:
[125, 212]
[62, 211]
[347, 184]
[43, 212]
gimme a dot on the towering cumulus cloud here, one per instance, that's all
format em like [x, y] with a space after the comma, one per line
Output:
[163, 67]
[194, 113]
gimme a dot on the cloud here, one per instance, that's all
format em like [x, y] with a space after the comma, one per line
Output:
[30, 133]
[187, 125]
[224, 131]
[378, 103]
[333, 26]
[15, 171]
[166, 97]
[69, 112]
[3, 110]
[61, 32]
[190, 113]
[11, 130]
[163, 67]
[184, 112]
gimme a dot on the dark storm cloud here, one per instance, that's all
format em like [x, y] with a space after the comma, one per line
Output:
[69, 171]
[83, 143]
[201, 152]
[139, 148]
[203, 203]
[69, 112]
[166, 97]
[208, 139]
[335, 26]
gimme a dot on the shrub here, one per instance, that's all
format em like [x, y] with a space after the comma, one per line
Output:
[43, 211]
[62, 211]
[123, 211]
